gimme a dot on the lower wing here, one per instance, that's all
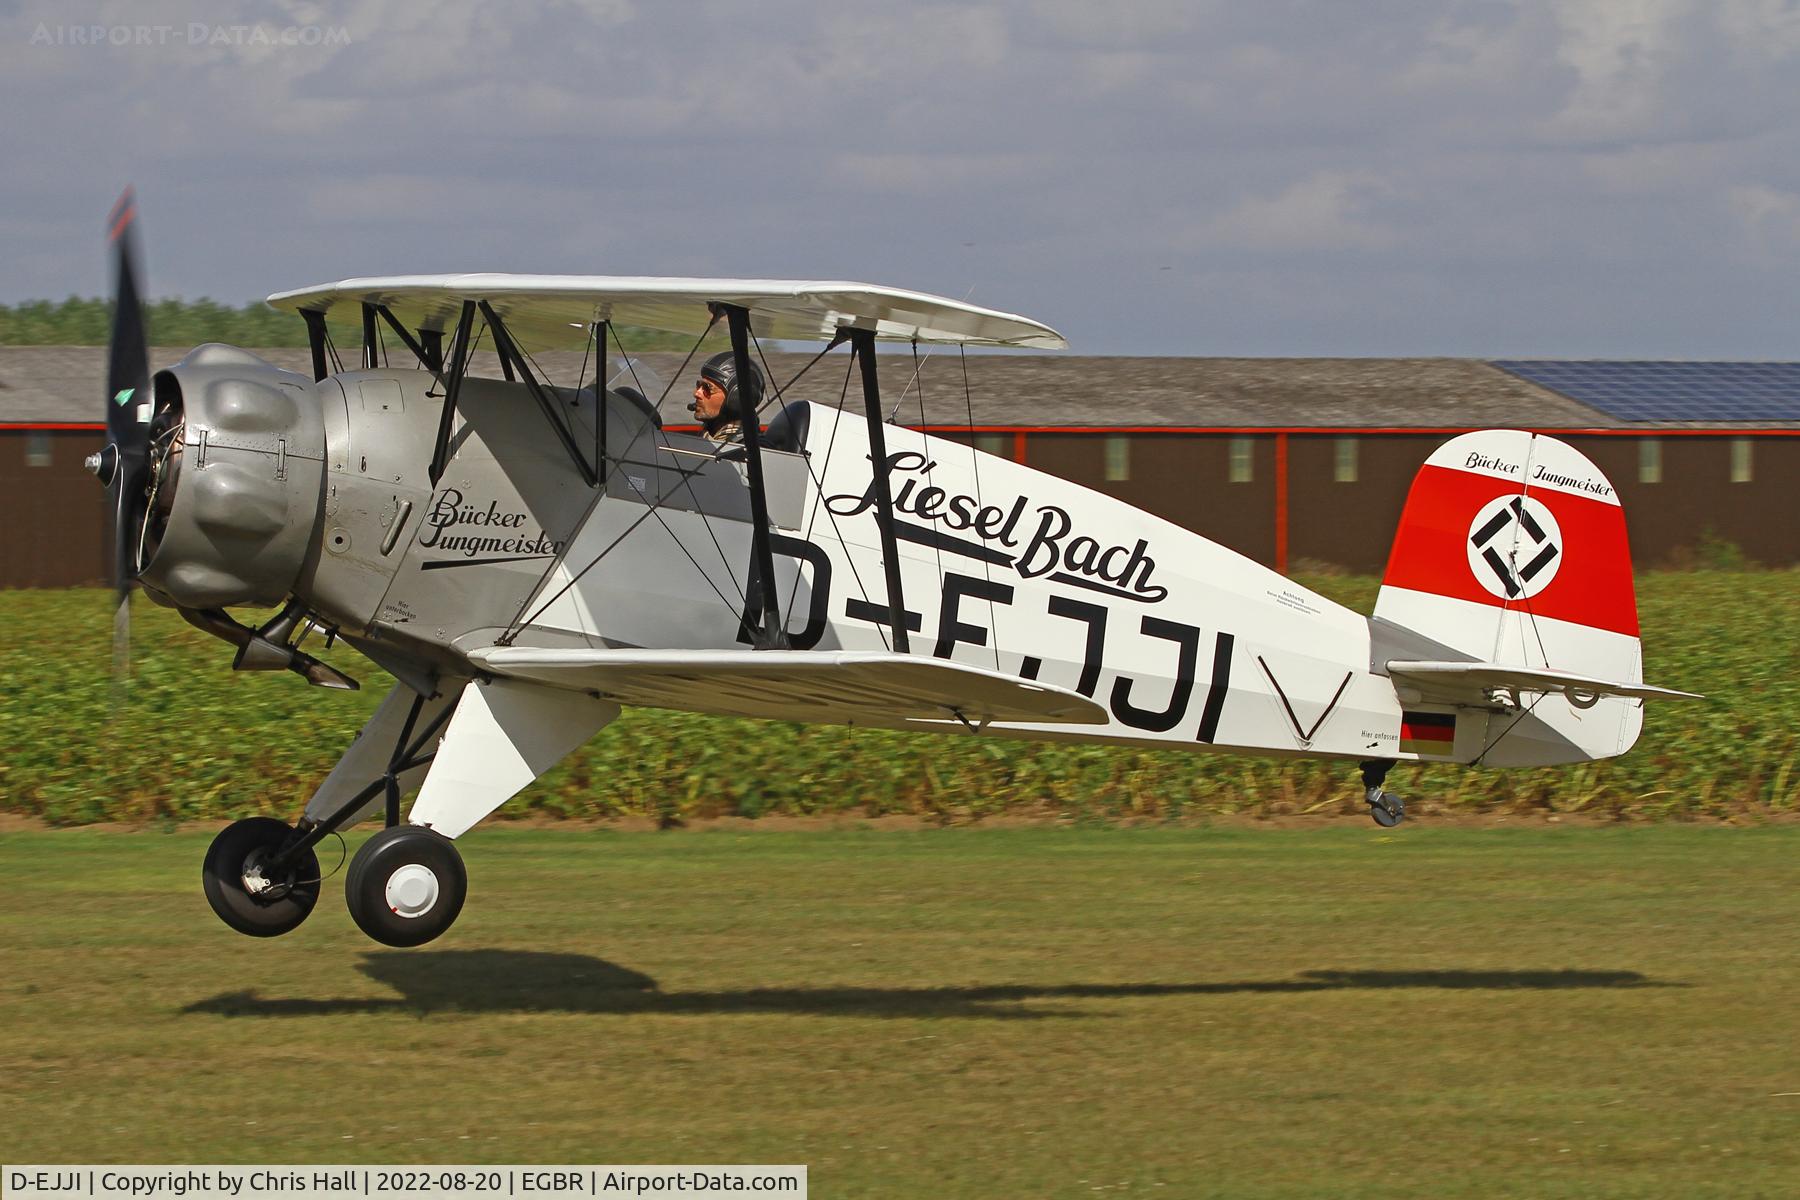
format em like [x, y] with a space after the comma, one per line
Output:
[823, 687]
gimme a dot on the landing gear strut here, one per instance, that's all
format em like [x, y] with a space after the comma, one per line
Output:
[1387, 808]
[404, 887]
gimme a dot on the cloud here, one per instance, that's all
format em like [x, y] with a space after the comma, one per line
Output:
[1474, 169]
[1326, 211]
[926, 172]
[1622, 52]
[1768, 217]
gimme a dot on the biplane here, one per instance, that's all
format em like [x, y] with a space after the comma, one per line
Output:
[526, 559]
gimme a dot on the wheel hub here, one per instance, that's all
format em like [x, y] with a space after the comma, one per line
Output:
[412, 891]
[256, 877]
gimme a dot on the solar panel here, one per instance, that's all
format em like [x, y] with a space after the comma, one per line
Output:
[1672, 391]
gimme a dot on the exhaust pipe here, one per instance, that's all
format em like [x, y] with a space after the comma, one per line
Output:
[269, 648]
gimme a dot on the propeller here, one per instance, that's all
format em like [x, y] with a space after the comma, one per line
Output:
[124, 465]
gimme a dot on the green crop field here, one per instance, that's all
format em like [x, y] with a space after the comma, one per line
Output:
[194, 740]
[1245, 1011]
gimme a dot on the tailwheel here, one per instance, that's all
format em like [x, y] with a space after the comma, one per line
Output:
[1387, 808]
[248, 894]
[406, 885]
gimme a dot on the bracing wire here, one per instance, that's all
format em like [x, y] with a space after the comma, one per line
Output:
[818, 479]
[769, 372]
[679, 371]
[587, 346]
[1501, 736]
[775, 389]
[1530, 612]
[652, 505]
[743, 589]
[925, 422]
[687, 480]
[337, 364]
[918, 366]
[567, 423]
[649, 511]
[987, 568]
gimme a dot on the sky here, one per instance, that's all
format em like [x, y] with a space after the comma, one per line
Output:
[1587, 179]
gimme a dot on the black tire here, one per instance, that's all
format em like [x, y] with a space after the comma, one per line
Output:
[406, 886]
[241, 847]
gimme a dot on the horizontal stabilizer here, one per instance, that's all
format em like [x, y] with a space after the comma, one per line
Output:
[822, 687]
[1460, 682]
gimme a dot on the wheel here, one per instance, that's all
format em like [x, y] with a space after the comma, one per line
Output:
[406, 885]
[1388, 810]
[244, 897]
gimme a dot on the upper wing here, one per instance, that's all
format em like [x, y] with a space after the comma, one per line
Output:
[1471, 681]
[825, 687]
[795, 309]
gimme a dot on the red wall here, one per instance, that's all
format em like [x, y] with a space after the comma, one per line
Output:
[53, 518]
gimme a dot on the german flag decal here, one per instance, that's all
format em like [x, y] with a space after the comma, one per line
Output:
[1427, 733]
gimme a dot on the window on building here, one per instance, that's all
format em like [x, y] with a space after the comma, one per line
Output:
[1740, 460]
[1649, 460]
[1344, 469]
[994, 443]
[37, 448]
[1242, 460]
[1118, 458]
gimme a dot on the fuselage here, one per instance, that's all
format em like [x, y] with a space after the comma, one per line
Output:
[1182, 641]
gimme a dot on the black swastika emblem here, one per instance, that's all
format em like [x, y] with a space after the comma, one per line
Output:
[1515, 547]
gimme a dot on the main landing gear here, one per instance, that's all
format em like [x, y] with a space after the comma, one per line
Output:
[404, 887]
[252, 886]
[1385, 807]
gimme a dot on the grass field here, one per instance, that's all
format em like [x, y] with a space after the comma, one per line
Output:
[1331, 1011]
[196, 740]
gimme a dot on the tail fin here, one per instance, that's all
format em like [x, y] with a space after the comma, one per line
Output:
[1512, 549]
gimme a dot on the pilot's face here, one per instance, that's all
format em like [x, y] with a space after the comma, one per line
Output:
[709, 398]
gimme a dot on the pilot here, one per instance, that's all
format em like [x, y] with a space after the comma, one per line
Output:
[722, 400]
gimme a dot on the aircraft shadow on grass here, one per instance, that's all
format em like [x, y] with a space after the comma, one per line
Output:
[522, 981]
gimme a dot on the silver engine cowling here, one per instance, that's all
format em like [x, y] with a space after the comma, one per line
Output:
[237, 460]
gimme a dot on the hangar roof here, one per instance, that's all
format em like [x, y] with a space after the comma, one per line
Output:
[64, 384]
[1673, 391]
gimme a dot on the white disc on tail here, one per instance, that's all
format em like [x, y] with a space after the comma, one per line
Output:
[1515, 547]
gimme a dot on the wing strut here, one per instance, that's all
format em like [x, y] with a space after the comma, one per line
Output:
[412, 343]
[862, 344]
[371, 355]
[769, 633]
[510, 353]
[315, 338]
[600, 331]
[460, 351]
